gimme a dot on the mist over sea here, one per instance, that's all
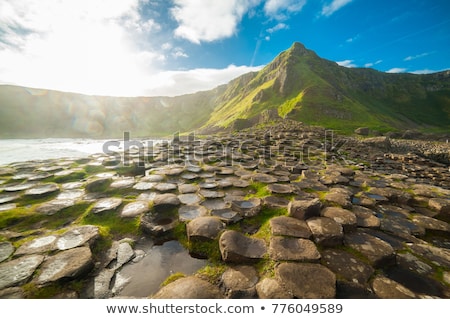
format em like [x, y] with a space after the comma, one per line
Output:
[20, 150]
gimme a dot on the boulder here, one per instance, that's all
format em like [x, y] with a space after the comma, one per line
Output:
[235, 247]
[68, 264]
[189, 288]
[306, 281]
[362, 131]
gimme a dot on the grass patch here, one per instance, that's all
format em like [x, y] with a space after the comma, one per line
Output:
[23, 219]
[31, 291]
[266, 268]
[113, 224]
[212, 273]
[258, 189]
[172, 278]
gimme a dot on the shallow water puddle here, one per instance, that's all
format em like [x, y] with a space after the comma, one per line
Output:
[144, 278]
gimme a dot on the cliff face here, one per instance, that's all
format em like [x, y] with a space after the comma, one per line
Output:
[298, 85]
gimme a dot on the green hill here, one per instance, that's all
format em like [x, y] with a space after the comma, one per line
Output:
[297, 85]
[300, 85]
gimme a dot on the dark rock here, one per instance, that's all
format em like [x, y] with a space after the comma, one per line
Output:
[204, 228]
[275, 202]
[289, 226]
[298, 249]
[304, 209]
[247, 208]
[235, 247]
[98, 185]
[347, 266]
[190, 212]
[389, 289]
[306, 281]
[326, 232]
[362, 131]
[377, 251]
[365, 217]
[342, 216]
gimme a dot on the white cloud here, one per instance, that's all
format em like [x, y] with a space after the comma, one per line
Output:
[179, 53]
[347, 63]
[335, 5]
[172, 83]
[396, 70]
[279, 9]
[418, 56]
[278, 27]
[209, 20]
[371, 64]
[425, 71]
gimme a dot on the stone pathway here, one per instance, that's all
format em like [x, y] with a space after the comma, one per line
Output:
[283, 215]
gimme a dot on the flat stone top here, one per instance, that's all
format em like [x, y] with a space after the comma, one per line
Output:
[6, 250]
[77, 237]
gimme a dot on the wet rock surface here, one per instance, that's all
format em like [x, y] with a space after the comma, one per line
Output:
[373, 223]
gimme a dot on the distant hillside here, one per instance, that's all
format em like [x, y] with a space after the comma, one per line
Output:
[297, 85]
[31, 113]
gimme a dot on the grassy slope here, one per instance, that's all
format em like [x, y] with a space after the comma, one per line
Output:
[320, 92]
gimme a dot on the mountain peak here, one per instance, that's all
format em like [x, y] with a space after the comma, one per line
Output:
[298, 49]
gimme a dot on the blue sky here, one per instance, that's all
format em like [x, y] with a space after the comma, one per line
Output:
[160, 47]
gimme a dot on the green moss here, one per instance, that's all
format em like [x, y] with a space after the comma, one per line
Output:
[257, 189]
[212, 273]
[113, 223]
[72, 177]
[172, 278]
[266, 267]
[95, 169]
[23, 219]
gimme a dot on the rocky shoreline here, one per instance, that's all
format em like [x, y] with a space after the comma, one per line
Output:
[288, 211]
